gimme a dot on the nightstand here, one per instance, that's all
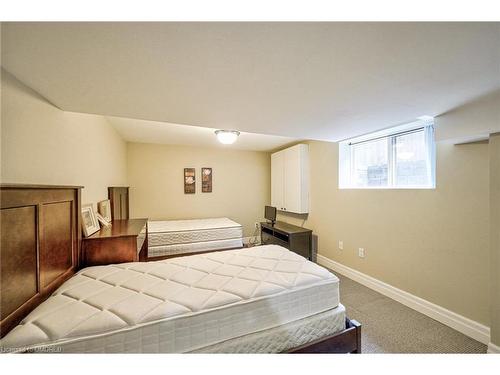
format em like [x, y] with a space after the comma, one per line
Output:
[123, 241]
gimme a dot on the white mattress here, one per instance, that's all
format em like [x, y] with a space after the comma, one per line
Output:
[284, 337]
[273, 340]
[177, 305]
[183, 236]
[194, 247]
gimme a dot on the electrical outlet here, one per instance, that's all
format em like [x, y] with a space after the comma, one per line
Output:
[361, 252]
[341, 245]
[257, 225]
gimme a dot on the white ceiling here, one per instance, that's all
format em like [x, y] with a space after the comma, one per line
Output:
[164, 133]
[306, 80]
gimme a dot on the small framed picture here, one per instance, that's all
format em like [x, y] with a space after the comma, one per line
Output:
[189, 181]
[104, 208]
[90, 225]
[206, 180]
[102, 220]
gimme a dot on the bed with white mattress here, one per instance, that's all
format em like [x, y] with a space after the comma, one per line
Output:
[178, 237]
[262, 299]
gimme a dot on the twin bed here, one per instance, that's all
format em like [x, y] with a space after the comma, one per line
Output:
[178, 237]
[264, 299]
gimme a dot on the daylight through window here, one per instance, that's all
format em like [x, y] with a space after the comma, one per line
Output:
[400, 157]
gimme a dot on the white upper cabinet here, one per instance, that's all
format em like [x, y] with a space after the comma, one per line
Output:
[290, 179]
[277, 179]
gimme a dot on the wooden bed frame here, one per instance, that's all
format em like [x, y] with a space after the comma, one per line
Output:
[346, 341]
[40, 242]
[39, 247]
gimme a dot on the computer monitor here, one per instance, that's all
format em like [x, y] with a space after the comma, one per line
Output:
[270, 214]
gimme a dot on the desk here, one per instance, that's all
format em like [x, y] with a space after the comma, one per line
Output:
[294, 238]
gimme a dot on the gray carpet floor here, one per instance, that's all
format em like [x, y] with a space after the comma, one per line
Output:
[390, 327]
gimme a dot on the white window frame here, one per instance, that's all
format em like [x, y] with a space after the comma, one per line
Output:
[346, 155]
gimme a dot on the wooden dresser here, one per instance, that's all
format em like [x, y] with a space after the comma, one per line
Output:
[124, 241]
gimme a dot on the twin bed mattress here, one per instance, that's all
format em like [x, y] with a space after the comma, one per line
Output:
[262, 299]
[174, 237]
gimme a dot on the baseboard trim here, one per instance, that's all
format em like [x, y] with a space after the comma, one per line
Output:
[467, 326]
[493, 349]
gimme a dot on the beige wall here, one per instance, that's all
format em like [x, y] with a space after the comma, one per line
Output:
[494, 148]
[476, 118]
[436, 244]
[431, 243]
[41, 144]
[441, 245]
[241, 183]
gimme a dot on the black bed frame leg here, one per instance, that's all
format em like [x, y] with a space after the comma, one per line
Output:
[358, 336]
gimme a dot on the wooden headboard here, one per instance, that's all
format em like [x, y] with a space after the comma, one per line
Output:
[39, 248]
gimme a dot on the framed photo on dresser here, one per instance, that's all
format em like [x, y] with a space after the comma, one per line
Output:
[104, 208]
[90, 225]
[102, 220]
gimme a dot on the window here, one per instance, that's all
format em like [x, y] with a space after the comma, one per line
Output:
[399, 158]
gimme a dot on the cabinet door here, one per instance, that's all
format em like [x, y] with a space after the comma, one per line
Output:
[296, 181]
[277, 179]
[293, 180]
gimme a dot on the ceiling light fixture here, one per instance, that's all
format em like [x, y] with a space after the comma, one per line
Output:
[227, 137]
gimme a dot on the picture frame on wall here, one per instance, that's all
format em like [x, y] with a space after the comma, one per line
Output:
[206, 180]
[104, 208]
[90, 225]
[189, 181]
